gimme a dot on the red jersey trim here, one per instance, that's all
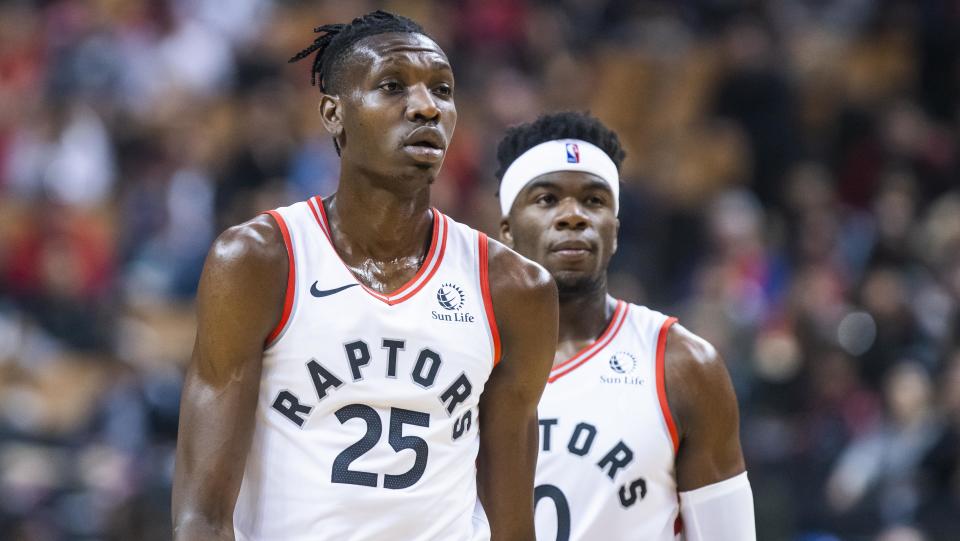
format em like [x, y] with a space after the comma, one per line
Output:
[587, 353]
[662, 383]
[313, 203]
[290, 293]
[438, 247]
[484, 264]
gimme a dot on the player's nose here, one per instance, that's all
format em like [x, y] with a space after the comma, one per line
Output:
[570, 215]
[422, 105]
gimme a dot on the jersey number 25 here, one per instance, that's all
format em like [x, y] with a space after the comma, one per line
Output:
[342, 473]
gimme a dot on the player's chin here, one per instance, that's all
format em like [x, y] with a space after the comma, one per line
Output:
[417, 173]
[426, 170]
[574, 282]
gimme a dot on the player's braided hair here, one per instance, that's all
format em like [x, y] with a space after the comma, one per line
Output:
[563, 125]
[339, 38]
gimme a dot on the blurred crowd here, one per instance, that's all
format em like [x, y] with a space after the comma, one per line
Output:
[791, 192]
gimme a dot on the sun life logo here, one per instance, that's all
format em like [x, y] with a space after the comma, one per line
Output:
[622, 362]
[450, 296]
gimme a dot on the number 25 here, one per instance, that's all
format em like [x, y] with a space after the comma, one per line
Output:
[342, 473]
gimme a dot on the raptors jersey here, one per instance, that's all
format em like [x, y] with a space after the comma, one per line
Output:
[367, 416]
[607, 441]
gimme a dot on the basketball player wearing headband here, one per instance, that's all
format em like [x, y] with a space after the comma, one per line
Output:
[638, 423]
[366, 368]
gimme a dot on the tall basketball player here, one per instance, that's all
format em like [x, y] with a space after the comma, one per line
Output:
[365, 367]
[639, 422]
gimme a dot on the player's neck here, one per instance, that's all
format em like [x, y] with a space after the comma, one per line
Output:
[379, 224]
[584, 317]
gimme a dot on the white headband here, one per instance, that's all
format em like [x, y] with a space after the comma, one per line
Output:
[553, 156]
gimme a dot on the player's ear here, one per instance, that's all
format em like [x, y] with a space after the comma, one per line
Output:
[331, 114]
[506, 236]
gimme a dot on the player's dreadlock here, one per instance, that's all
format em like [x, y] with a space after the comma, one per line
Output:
[564, 125]
[339, 38]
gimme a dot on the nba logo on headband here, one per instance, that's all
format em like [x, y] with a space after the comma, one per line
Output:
[548, 157]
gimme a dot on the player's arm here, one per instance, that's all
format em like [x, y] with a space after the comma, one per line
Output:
[715, 495]
[239, 301]
[525, 303]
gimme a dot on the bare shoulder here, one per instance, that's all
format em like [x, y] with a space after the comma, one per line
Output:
[524, 298]
[251, 246]
[690, 355]
[699, 390]
[511, 274]
[243, 285]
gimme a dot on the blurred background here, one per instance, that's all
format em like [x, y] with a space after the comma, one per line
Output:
[792, 193]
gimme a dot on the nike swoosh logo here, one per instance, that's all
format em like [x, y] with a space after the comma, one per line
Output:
[327, 292]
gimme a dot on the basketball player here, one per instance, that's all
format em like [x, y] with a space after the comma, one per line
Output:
[365, 366]
[639, 421]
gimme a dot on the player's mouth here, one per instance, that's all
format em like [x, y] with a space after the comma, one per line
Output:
[572, 249]
[425, 144]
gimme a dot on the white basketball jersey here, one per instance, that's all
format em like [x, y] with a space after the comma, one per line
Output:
[607, 441]
[367, 417]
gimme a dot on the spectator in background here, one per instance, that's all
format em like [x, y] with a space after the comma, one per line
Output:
[876, 476]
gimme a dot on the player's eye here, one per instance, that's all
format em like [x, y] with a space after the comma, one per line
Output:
[390, 86]
[596, 201]
[545, 199]
[444, 90]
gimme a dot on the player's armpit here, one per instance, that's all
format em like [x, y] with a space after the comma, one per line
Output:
[525, 306]
[704, 407]
[239, 301]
